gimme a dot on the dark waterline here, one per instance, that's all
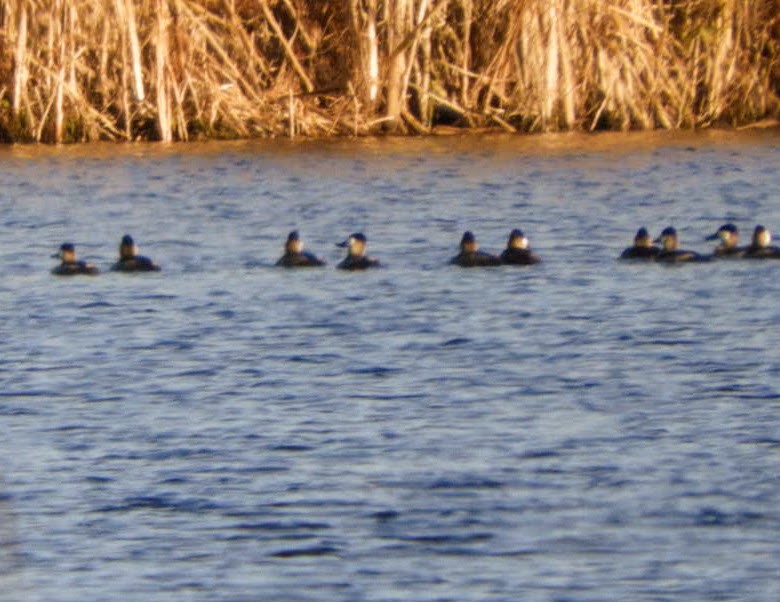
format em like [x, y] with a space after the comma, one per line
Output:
[582, 429]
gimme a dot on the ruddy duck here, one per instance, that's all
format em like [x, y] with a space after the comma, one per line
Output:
[294, 255]
[130, 260]
[470, 256]
[760, 248]
[517, 251]
[356, 258]
[643, 247]
[669, 251]
[729, 241]
[70, 266]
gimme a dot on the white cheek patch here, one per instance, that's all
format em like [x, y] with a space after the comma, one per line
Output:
[356, 247]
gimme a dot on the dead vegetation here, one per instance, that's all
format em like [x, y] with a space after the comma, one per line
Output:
[80, 70]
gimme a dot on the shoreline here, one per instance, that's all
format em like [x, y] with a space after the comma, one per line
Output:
[437, 132]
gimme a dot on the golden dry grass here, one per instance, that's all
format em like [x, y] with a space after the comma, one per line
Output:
[80, 70]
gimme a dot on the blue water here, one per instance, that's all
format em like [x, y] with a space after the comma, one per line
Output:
[580, 430]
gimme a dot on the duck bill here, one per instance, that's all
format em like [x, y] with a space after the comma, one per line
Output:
[343, 244]
[715, 236]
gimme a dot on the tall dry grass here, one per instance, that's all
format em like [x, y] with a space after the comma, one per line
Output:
[78, 70]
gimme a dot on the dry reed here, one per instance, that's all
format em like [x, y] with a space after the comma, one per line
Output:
[80, 70]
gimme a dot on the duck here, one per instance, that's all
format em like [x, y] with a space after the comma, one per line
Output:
[129, 259]
[294, 255]
[759, 247]
[517, 251]
[69, 265]
[470, 256]
[729, 248]
[356, 258]
[670, 253]
[643, 247]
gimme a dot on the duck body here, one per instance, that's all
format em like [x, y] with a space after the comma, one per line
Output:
[74, 268]
[351, 263]
[679, 256]
[729, 252]
[138, 263]
[475, 259]
[299, 260]
[519, 257]
[769, 252]
[645, 253]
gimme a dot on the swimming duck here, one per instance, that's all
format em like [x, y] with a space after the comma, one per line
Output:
[728, 234]
[760, 248]
[669, 251]
[643, 247]
[470, 256]
[356, 258]
[130, 260]
[294, 255]
[69, 266]
[517, 251]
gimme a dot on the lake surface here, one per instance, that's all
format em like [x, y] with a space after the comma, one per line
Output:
[580, 430]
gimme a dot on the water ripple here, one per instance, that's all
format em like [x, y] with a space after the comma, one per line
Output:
[578, 430]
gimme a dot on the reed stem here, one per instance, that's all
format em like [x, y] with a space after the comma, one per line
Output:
[180, 69]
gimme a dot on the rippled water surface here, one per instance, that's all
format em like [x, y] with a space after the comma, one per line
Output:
[582, 429]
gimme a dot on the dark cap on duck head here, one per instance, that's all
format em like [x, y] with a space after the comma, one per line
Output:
[642, 238]
[356, 236]
[468, 237]
[516, 233]
[293, 236]
[669, 231]
[731, 229]
[66, 247]
[127, 241]
[517, 240]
